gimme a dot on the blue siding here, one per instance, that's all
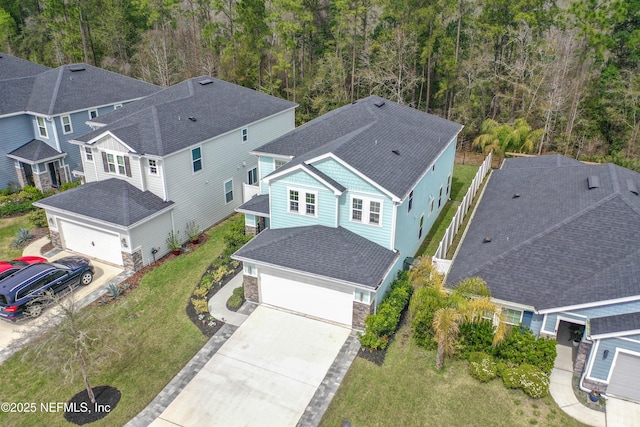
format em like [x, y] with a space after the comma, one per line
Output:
[536, 324]
[250, 220]
[408, 223]
[601, 366]
[378, 234]
[602, 311]
[345, 177]
[384, 287]
[279, 197]
[266, 166]
[79, 128]
[14, 132]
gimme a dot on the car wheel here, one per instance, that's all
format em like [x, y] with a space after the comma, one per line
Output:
[87, 277]
[33, 310]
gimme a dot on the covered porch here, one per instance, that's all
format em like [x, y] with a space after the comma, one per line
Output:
[40, 165]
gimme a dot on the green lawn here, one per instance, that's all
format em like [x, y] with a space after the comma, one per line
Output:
[408, 391]
[460, 182]
[8, 228]
[160, 339]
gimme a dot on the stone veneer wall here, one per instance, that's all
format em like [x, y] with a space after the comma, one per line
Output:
[55, 238]
[42, 181]
[132, 262]
[250, 288]
[360, 312]
[249, 230]
[22, 178]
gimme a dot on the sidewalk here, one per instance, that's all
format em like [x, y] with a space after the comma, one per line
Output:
[561, 390]
[218, 303]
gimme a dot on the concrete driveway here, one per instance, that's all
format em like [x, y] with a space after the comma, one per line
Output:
[22, 330]
[622, 413]
[264, 375]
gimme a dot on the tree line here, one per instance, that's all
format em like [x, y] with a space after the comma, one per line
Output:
[569, 68]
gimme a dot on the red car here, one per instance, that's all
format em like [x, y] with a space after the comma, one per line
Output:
[7, 268]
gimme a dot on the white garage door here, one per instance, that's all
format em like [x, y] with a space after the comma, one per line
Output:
[625, 378]
[91, 242]
[316, 301]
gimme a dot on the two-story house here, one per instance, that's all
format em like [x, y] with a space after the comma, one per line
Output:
[558, 243]
[345, 199]
[177, 156]
[42, 109]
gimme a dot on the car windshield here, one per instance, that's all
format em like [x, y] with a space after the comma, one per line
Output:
[60, 266]
[7, 273]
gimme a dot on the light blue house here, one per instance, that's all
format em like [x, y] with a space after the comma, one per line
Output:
[558, 243]
[42, 109]
[341, 203]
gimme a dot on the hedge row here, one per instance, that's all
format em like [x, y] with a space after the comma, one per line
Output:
[382, 324]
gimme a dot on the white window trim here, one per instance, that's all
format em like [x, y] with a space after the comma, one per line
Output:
[250, 270]
[302, 202]
[279, 160]
[512, 309]
[116, 106]
[244, 134]
[366, 210]
[92, 111]
[193, 171]
[410, 202]
[68, 117]
[88, 153]
[40, 128]
[224, 189]
[249, 174]
[149, 171]
[362, 296]
[115, 155]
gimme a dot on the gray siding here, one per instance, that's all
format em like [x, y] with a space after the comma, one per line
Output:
[601, 367]
[151, 234]
[14, 132]
[601, 311]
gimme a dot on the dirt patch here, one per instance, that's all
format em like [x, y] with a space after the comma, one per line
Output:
[81, 411]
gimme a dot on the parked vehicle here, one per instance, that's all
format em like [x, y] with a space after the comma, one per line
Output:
[7, 268]
[21, 294]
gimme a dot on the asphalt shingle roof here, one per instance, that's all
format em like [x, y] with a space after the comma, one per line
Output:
[258, 204]
[113, 200]
[35, 151]
[160, 124]
[335, 253]
[616, 323]
[12, 67]
[554, 242]
[364, 135]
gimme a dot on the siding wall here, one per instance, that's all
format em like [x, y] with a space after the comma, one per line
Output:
[602, 311]
[94, 171]
[147, 236]
[15, 131]
[600, 367]
[380, 234]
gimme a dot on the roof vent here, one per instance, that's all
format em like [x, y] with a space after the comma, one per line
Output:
[396, 152]
[193, 119]
[205, 82]
[593, 181]
[515, 196]
[486, 240]
[631, 185]
[76, 68]
[379, 103]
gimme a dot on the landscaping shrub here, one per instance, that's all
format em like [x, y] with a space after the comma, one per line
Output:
[482, 366]
[533, 381]
[19, 202]
[114, 291]
[521, 346]
[38, 218]
[200, 305]
[236, 300]
[379, 326]
[476, 337]
[510, 378]
[69, 185]
[425, 302]
[206, 282]
[200, 292]
[23, 236]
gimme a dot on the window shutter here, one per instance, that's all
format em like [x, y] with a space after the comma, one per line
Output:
[127, 166]
[105, 163]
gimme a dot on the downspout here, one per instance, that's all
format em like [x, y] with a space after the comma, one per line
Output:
[584, 374]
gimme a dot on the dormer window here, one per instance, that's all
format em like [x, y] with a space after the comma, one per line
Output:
[42, 127]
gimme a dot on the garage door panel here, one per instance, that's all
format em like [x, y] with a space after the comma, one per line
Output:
[625, 377]
[91, 242]
[309, 299]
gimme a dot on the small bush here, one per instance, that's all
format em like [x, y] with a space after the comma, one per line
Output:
[23, 236]
[206, 282]
[510, 378]
[424, 303]
[521, 346]
[114, 291]
[200, 292]
[475, 337]
[69, 185]
[200, 305]
[236, 300]
[501, 367]
[482, 366]
[38, 218]
[533, 381]
[219, 274]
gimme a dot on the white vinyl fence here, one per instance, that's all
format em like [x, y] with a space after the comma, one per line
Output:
[458, 218]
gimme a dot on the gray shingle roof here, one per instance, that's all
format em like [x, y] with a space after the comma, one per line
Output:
[113, 200]
[615, 324]
[160, 124]
[35, 151]
[12, 67]
[335, 253]
[256, 205]
[365, 135]
[559, 243]
[15, 95]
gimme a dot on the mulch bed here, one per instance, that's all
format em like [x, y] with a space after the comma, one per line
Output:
[377, 356]
[82, 411]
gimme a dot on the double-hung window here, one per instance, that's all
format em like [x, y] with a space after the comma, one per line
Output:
[196, 159]
[228, 191]
[310, 204]
[114, 163]
[420, 227]
[252, 176]
[410, 202]
[294, 201]
[153, 166]
[440, 198]
[88, 154]
[42, 127]
[511, 316]
[245, 135]
[366, 210]
[303, 202]
[66, 124]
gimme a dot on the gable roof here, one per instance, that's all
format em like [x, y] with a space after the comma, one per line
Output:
[555, 242]
[333, 253]
[186, 114]
[35, 151]
[12, 67]
[113, 200]
[365, 135]
[616, 325]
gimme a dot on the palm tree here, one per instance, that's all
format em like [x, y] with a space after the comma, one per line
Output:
[501, 138]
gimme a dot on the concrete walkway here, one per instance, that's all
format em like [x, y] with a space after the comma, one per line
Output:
[561, 389]
[218, 303]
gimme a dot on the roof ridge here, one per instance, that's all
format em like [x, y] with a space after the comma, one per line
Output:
[54, 96]
[613, 174]
[541, 234]
[156, 128]
[126, 208]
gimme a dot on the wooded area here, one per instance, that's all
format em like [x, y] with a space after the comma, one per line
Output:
[568, 68]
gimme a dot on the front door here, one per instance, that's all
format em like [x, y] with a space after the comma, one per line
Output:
[55, 176]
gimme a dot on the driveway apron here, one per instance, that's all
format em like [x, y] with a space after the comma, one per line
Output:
[265, 374]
